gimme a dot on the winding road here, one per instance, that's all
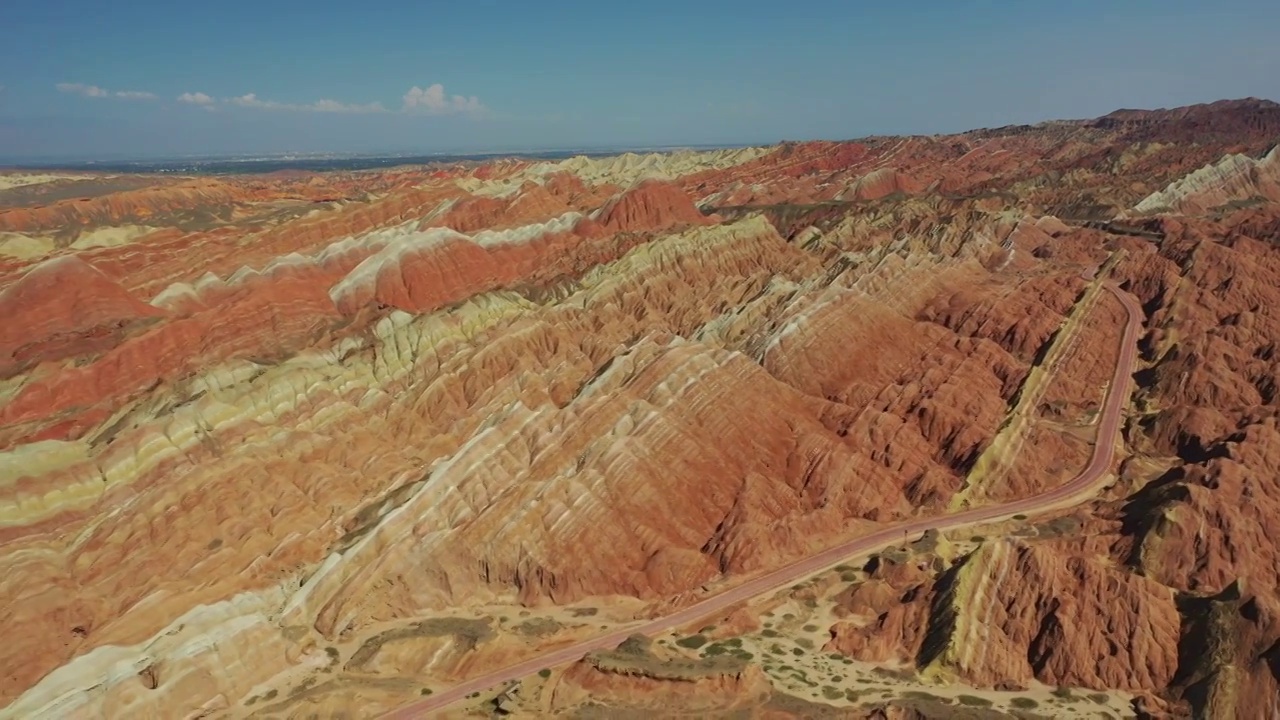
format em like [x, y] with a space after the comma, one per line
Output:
[1083, 484]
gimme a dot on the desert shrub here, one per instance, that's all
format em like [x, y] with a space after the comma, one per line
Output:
[973, 701]
[544, 673]
[922, 695]
[811, 628]
[805, 643]
[1019, 516]
[1024, 703]
[893, 674]
[831, 693]
[1100, 698]
[693, 642]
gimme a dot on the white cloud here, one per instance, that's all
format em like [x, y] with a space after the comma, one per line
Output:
[430, 100]
[81, 89]
[94, 91]
[197, 98]
[251, 100]
[433, 101]
[337, 107]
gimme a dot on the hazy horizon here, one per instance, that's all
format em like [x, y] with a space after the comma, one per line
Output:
[54, 160]
[151, 80]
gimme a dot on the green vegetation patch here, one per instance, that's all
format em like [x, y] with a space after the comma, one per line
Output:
[693, 642]
[922, 695]
[1059, 527]
[893, 674]
[467, 633]
[538, 627]
[646, 665]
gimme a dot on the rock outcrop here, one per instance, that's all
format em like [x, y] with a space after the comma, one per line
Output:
[1234, 178]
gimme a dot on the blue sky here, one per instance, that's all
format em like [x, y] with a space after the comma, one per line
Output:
[90, 79]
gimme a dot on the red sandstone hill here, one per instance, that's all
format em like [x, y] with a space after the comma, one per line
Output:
[63, 307]
[650, 205]
[513, 387]
[1216, 122]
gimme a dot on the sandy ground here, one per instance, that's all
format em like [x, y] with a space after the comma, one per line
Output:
[794, 629]
[19, 179]
[29, 247]
[788, 647]
[111, 236]
[519, 631]
[24, 247]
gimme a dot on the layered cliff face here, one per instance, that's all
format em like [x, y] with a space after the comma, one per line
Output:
[1235, 178]
[282, 451]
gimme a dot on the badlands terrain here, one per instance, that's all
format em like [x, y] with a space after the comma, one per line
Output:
[337, 445]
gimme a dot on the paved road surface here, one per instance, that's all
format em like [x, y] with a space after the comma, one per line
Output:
[1082, 484]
